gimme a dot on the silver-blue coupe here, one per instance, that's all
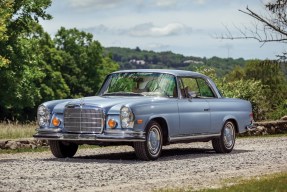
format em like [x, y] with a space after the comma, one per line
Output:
[145, 109]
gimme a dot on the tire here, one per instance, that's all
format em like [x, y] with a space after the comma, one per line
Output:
[226, 141]
[63, 149]
[151, 148]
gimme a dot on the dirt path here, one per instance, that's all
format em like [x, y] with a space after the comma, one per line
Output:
[117, 169]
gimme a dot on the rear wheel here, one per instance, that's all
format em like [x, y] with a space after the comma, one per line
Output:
[226, 141]
[62, 149]
[152, 147]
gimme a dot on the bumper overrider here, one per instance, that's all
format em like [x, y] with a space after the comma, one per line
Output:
[117, 136]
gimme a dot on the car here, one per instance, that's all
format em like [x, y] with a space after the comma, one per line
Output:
[147, 109]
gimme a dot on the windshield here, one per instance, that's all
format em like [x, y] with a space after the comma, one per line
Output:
[140, 84]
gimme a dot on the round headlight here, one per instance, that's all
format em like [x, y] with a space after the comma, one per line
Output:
[43, 116]
[127, 117]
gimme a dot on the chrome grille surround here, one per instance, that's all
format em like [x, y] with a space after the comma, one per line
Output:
[83, 119]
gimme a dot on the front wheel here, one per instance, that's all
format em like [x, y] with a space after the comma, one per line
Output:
[151, 148]
[226, 141]
[62, 149]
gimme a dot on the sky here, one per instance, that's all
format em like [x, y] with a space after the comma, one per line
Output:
[188, 27]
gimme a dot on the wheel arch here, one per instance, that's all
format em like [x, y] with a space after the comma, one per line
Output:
[233, 120]
[164, 128]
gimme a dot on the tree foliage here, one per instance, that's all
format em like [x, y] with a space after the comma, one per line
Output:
[17, 77]
[84, 62]
[266, 83]
[35, 68]
[138, 59]
[5, 14]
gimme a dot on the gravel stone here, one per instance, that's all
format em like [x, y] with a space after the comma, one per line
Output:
[193, 165]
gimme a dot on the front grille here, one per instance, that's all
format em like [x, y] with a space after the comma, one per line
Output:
[83, 120]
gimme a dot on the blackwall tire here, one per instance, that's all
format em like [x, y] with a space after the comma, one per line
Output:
[63, 149]
[226, 141]
[151, 148]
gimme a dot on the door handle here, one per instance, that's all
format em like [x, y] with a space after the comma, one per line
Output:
[205, 109]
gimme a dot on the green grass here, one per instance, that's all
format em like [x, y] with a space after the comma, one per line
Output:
[270, 183]
[17, 131]
[275, 182]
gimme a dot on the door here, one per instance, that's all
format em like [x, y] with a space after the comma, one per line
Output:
[194, 111]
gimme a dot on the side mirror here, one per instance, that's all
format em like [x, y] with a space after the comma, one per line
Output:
[192, 94]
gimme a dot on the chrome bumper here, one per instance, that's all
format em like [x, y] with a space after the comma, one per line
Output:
[251, 127]
[119, 136]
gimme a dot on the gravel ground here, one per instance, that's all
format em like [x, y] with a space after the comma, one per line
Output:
[117, 169]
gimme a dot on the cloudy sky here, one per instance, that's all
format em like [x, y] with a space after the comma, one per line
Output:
[188, 27]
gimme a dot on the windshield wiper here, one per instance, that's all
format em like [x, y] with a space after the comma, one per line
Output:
[122, 94]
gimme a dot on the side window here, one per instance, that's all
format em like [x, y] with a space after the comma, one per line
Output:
[197, 87]
[204, 88]
[188, 85]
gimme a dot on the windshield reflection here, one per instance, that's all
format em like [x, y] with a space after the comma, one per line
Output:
[141, 84]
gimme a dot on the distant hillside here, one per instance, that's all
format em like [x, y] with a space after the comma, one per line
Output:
[139, 59]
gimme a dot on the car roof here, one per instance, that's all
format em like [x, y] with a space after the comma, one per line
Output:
[168, 71]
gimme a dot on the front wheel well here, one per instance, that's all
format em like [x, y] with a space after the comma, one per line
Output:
[164, 127]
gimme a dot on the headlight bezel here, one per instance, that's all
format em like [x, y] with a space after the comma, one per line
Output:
[43, 116]
[127, 117]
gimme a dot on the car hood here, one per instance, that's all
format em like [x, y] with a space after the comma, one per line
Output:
[111, 104]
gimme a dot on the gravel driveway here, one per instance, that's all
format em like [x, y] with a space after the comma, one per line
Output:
[117, 169]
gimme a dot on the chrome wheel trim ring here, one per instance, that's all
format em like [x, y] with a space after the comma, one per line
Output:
[229, 135]
[154, 140]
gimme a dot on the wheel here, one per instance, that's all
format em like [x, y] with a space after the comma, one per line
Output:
[226, 141]
[151, 148]
[63, 149]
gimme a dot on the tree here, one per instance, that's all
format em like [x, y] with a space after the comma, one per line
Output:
[270, 27]
[85, 65]
[266, 83]
[271, 76]
[5, 14]
[52, 85]
[18, 89]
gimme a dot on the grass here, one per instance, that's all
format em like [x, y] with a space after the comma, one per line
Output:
[270, 183]
[274, 182]
[17, 131]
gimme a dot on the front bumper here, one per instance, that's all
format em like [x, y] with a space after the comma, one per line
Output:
[117, 136]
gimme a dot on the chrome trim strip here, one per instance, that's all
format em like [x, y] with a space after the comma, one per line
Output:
[172, 139]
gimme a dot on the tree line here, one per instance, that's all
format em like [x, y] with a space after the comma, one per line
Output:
[127, 59]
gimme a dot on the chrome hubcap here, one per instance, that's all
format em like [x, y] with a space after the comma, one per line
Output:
[228, 135]
[154, 140]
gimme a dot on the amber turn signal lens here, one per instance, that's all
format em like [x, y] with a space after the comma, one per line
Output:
[56, 122]
[139, 121]
[112, 123]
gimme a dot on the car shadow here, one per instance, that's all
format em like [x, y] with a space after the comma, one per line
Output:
[8, 160]
[130, 157]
